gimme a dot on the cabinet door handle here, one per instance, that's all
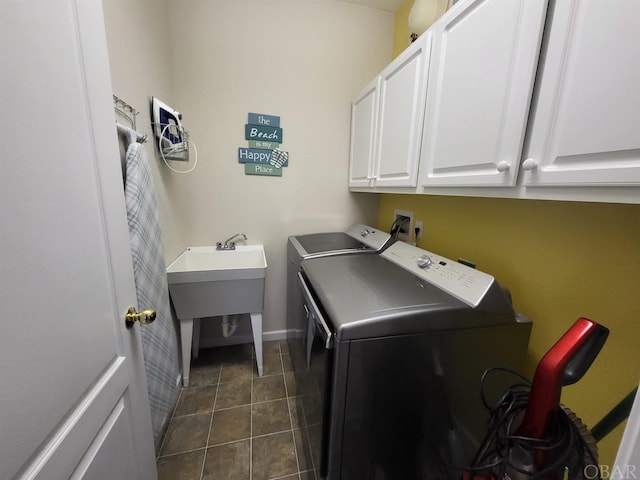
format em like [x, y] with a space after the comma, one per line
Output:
[503, 166]
[529, 164]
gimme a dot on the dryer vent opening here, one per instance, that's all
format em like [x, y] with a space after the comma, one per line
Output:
[402, 225]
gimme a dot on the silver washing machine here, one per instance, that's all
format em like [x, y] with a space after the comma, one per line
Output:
[395, 345]
[357, 239]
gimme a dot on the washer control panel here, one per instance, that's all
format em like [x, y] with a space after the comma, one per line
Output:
[463, 282]
[370, 236]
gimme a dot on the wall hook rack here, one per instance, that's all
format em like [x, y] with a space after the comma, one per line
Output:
[128, 112]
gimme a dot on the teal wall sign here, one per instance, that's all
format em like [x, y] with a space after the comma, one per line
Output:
[262, 119]
[263, 156]
[258, 169]
[262, 132]
[264, 145]
[277, 158]
[253, 155]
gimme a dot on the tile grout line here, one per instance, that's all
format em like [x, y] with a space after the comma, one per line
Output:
[251, 414]
[286, 394]
[182, 452]
[164, 436]
[277, 432]
[213, 407]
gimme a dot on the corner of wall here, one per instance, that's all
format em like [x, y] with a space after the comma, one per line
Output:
[401, 31]
[126, 23]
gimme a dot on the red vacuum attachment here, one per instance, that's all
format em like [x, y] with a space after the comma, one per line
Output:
[542, 454]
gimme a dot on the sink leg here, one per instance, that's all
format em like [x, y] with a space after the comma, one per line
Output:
[186, 333]
[256, 326]
[195, 344]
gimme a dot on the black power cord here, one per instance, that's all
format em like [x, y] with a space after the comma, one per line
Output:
[502, 452]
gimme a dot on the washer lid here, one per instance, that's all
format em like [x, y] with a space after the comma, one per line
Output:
[329, 242]
[356, 238]
[365, 296]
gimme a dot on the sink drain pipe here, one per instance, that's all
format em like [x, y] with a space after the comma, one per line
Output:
[229, 328]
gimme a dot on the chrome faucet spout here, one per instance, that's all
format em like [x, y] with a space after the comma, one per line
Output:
[233, 237]
[229, 243]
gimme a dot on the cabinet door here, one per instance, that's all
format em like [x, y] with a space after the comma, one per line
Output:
[483, 65]
[364, 111]
[585, 127]
[403, 86]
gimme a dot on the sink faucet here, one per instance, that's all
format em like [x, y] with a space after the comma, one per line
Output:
[229, 244]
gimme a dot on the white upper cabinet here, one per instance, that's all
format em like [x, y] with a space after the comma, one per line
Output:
[585, 122]
[481, 77]
[387, 120]
[509, 98]
[403, 86]
[364, 110]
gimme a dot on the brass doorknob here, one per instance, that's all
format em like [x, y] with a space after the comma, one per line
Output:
[146, 316]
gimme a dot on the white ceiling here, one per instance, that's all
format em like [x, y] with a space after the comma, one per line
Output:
[387, 5]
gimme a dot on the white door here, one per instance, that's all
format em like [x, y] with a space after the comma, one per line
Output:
[585, 129]
[483, 65]
[73, 402]
[403, 87]
[627, 464]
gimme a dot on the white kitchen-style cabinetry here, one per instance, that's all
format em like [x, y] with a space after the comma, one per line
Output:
[387, 120]
[364, 110]
[481, 76]
[585, 122]
[522, 102]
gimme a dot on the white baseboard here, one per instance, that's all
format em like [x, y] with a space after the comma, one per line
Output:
[274, 335]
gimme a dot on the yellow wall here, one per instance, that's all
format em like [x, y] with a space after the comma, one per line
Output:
[561, 261]
[401, 32]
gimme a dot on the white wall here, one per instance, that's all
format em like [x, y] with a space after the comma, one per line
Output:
[215, 61]
[140, 60]
[302, 61]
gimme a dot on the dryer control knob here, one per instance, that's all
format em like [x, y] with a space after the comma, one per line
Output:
[424, 261]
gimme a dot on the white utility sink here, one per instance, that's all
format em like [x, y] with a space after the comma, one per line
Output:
[205, 282]
[202, 264]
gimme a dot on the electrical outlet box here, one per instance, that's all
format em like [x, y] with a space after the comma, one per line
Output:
[405, 220]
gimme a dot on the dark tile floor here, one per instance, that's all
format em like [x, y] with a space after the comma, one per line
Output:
[232, 424]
